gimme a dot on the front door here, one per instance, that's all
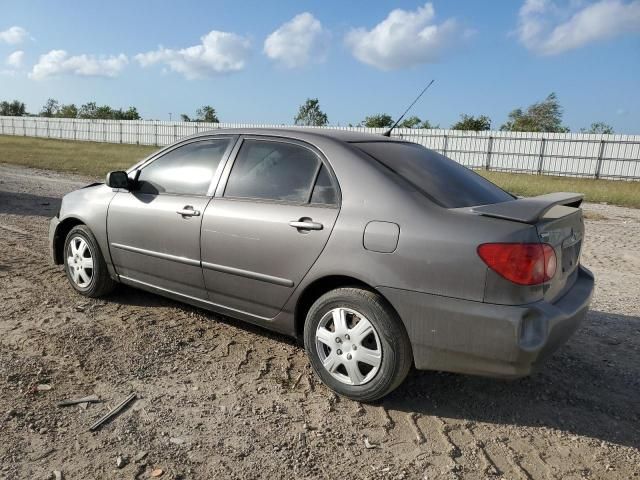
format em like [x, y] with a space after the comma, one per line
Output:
[262, 234]
[154, 230]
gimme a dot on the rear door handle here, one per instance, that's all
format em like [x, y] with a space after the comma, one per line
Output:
[305, 225]
[188, 211]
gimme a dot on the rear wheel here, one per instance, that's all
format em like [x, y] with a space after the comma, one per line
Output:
[356, 344]
[85, 265]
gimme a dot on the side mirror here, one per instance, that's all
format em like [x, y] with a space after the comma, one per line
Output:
[118, 179]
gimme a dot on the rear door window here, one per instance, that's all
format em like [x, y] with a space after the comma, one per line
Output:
[273, 170]
[446, 182]
[324, 191]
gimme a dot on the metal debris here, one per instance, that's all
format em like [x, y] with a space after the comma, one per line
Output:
[115, 411]
[368, 445]
[77, 401]
[140, 456]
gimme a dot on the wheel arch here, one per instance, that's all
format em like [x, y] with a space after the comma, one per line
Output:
[319, 287]
[63, 229]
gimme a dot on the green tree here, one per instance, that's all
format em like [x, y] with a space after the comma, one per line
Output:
[469, 122]
[67, 111]
[411, 122]
[207, 114]
[544, 116]
[50, 108]
[184, 117]
[380, 120]
[130, 114]
[427, 124]
[599, 127]
[104, 112]
[88, 110]
[310, 114]
[13, 109]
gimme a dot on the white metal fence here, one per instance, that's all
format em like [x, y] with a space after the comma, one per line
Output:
[566, 154]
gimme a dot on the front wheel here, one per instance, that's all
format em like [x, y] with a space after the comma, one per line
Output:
[356, 344]
[85, 265]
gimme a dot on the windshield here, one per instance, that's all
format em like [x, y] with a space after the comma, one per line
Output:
[444, 181]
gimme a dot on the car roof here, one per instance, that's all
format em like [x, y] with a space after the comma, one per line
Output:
[303, 133]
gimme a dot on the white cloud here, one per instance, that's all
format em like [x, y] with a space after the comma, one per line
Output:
[219, 52]
[58, 62]
[405, 38]
[298, 42]
[14, 35]
[14, 60]
[549, 29]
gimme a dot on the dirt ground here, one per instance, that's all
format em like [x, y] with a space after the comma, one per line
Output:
[220, 399]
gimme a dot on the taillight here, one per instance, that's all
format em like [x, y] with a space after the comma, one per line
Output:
[521, 263]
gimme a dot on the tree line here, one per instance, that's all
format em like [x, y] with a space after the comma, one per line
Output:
[53, 109]
[542, 116]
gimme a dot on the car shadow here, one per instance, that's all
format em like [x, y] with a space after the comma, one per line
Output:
[131, 296]
[589, 387]
[27, 204]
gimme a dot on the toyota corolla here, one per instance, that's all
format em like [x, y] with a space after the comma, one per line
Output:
[379, 254]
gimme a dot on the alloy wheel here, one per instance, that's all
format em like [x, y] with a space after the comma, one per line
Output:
[80, 262]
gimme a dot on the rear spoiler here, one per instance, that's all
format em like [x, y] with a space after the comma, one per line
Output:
[531, 209]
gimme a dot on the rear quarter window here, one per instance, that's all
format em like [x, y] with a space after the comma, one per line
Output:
[446, 182]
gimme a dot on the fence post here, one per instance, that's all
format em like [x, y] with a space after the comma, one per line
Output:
[24, 127]
[155, 132]
[600, 155]
[2, 125]
[489, 147]
[446, 144]
[120, 130]
[73, 127]
[541, 157]
[48, 130]
[175, 132]
[13, 125]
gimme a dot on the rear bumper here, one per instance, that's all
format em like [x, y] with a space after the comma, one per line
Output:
[487, 339]
[53, 228]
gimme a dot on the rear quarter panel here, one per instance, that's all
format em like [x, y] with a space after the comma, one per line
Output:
[436, 251]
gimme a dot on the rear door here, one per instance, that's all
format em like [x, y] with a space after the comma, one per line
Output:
[268, 223]
[154, 230]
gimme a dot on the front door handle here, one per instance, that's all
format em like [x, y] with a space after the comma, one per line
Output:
[188, 211]
[305, 224]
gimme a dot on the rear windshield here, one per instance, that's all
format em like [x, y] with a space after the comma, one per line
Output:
[444, 181]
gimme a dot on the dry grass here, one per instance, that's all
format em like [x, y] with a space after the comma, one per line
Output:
[96, 159]
[87, 158]
[614, 192]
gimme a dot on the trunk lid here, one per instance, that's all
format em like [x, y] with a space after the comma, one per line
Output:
[562, 227]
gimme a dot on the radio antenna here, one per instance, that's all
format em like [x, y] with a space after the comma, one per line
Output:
[388, 132]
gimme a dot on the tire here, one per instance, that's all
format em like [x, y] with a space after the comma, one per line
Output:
[375, 360]
[81, 250]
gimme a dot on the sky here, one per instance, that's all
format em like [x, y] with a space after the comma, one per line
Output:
[257, 61]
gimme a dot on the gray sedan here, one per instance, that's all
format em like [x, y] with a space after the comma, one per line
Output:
[379, 254]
